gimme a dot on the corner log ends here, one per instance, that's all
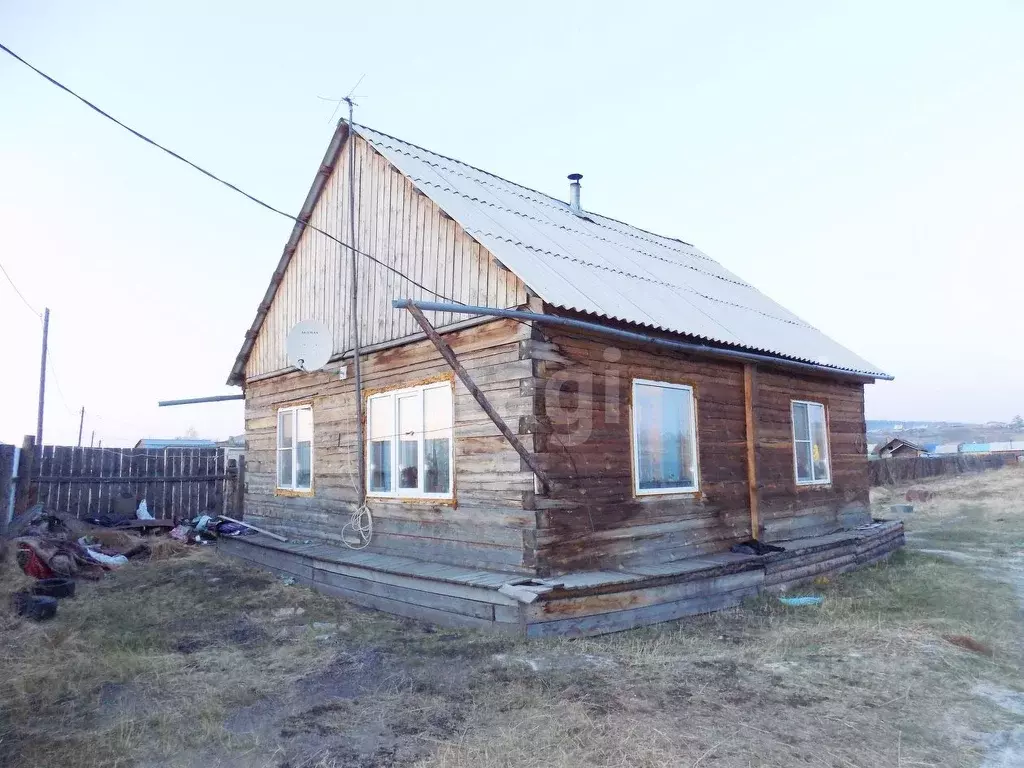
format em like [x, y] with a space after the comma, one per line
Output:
[453, 361]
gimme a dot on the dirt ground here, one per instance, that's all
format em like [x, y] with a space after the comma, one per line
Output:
[200, 661]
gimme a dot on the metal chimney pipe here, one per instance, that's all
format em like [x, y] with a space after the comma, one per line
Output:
[574, 193]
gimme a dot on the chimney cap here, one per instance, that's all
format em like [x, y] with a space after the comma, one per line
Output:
[575, 176]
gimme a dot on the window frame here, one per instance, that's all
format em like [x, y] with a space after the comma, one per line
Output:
[417, 493]
[293, 412]
[635, 443]
[810, 440]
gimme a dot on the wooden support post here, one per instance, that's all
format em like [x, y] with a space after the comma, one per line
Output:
[6, 483]
[22, 491]
[480, 397]
[238, 495]
[42, 379]
[749, 383]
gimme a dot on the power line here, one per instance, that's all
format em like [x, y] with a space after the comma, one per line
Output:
[56, 382]
[216, 178]
[20, 294]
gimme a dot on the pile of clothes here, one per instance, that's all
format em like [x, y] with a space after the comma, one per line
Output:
[51, 545]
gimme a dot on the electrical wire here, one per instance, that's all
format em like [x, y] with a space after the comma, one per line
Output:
[56, 382]
[218, 179]
[20, 294]
[228, 184]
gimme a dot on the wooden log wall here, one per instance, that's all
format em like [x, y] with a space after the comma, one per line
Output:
[592, 518]
[486, 526]
[398, 226]
[177, 483]
[789, 510]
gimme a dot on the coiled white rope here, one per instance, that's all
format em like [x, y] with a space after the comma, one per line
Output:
[361, 524]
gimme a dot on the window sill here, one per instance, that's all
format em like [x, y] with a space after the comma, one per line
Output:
[447, 501]
[813, 484]
[690, 492]
[289, 493]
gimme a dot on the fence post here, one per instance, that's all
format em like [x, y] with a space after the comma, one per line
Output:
[23, 488]
[238, 490]
[6, 483]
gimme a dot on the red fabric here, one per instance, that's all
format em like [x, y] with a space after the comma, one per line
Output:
[32, 564]
[57, 557]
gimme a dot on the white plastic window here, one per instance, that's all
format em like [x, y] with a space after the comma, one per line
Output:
[295, 448]
[664, 438]
[409, 442]
[810, 443]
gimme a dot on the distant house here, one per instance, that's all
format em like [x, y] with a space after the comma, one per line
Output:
[1011, 445]
[898, 448]
[233, 447]
[159, 443]
[975, 448]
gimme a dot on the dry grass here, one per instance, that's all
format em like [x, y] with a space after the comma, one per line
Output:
[201, 661]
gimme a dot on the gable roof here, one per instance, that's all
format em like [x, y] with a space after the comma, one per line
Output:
[899, 442]
[597, 265]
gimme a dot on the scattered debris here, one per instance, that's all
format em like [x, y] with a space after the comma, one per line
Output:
[968, 643]
[902, 509]
[57, 548]
[46, 557]
[802, 601]
[253, 528]
[918, 494]
[37, 607]
[142, 513]
[59, 588]
[526, 590]
[755, 547]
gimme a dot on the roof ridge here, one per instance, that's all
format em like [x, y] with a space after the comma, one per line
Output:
[699, 253]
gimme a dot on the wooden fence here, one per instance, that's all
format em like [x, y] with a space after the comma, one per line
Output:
[893, 471]
[177, 483]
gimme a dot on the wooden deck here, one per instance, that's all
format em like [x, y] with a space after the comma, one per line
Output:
[574, 604]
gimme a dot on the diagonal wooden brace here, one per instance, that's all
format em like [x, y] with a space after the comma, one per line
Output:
[449, 356]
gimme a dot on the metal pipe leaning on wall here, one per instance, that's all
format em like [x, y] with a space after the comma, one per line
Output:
[639, 338]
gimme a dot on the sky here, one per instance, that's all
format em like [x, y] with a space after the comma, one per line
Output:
[860, 163]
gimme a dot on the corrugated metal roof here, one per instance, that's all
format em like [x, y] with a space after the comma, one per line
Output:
[1012, 445]
[160, 443]
[601, 266]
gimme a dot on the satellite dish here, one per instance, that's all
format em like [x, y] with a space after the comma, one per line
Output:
[309, 345]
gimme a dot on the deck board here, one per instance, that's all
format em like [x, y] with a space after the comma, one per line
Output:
[578, 603]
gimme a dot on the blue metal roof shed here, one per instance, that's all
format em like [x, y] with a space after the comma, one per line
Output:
[159, 443]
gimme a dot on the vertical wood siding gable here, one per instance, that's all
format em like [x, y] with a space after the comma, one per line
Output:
[397, 225]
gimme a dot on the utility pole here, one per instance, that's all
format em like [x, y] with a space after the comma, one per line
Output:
[42, 379]
[81, 421]
[92, 438]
